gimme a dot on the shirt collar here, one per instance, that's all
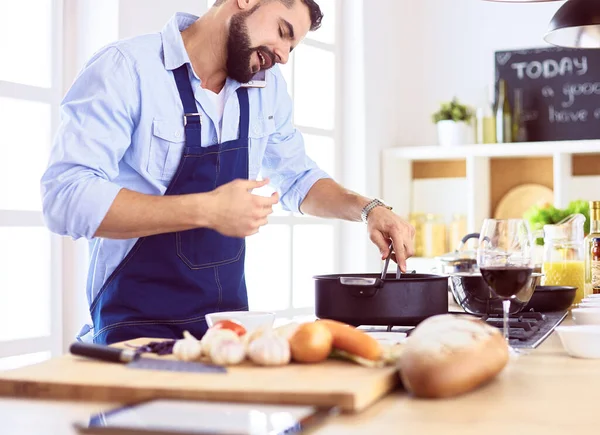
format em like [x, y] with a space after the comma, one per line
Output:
[174, 51]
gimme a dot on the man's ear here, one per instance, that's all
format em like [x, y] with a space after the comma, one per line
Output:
[245, 5]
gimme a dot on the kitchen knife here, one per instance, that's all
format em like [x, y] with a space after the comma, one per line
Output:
[132, 359]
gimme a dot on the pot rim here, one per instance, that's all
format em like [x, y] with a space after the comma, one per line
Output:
[390, 276]
[460, 274]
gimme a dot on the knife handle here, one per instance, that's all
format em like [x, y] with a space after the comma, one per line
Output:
[104, 353]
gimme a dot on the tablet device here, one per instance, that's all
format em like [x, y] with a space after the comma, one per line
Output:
[184, 417]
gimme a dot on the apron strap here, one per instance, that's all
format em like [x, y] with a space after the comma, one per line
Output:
[192, 120]
[244, 112]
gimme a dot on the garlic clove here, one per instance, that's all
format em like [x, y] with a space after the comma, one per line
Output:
[227, 352]
[269, 350]
[187, 350]
[215, 336]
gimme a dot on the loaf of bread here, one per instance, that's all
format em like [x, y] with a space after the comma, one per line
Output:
[449, 355]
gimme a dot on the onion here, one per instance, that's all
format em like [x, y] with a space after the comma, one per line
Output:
[311, 343]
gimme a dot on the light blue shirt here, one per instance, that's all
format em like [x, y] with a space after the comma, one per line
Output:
[122, 126]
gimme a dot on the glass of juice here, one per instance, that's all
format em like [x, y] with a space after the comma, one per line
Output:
[505, 259]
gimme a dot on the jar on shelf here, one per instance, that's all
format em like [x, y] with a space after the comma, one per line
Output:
[434, 236]
[417, 220]
[458, 229]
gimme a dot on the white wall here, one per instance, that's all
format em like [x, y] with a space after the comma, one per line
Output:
[137, 17]
[457, 40]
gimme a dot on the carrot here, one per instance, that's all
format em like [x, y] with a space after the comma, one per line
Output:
[352, 340]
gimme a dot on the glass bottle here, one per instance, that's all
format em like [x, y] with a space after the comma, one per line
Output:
[519, 130]
[594, 234]
[485, 121]
[504, 126]
[595, 263]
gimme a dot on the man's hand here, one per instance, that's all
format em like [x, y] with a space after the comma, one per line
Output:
[383, 225]
[236, 212]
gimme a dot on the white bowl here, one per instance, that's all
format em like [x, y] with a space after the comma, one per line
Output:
[597, 296]
[580, 341]
[586, 316]
[589, 304]
[251, 320]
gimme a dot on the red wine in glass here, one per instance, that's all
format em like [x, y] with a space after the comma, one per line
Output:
[506, 282]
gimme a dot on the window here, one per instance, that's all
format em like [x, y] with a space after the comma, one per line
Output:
[30, 324]
[282, 259]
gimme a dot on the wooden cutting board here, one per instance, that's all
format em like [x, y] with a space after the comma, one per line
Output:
[331, 383]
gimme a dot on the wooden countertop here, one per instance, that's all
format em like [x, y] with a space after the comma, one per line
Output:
[543, 392]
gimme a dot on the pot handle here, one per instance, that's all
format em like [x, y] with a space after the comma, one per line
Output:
[466, 238]
[361, 287]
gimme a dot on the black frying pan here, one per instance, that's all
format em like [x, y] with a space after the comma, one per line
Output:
[551, 298]
[366, 299]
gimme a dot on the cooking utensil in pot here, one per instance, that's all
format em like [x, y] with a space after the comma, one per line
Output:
[551, 298]
[387, 263]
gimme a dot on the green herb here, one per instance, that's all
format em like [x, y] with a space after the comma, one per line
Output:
[547, 214]
[453, 111]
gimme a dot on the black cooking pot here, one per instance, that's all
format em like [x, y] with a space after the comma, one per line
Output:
[551, 298]
[367, 299]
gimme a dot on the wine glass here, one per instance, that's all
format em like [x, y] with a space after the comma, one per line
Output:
[505, 259]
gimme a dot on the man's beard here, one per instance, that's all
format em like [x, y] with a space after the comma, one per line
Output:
[239, 51]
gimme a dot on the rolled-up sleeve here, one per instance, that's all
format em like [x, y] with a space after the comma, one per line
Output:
[97, 120]
[285, 163]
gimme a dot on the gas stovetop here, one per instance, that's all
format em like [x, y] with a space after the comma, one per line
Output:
[527, 330]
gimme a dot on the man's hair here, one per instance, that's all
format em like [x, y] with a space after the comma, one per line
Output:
[316, 16]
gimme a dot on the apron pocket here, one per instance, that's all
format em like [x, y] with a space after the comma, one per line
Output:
[203, 248]
[166, 147]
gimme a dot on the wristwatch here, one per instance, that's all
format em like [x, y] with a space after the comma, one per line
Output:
[364, 215]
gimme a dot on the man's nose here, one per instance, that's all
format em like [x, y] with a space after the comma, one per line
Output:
[283, 53]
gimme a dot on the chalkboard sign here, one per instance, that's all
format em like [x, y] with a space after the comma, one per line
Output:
[560, 89]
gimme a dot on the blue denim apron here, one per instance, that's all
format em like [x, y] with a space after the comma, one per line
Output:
[168, 282]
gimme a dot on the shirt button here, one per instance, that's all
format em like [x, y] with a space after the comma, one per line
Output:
[177, 133]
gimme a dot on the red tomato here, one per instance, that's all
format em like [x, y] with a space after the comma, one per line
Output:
[230, 324]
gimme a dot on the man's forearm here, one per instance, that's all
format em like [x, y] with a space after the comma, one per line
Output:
[327, 199]
[134, 214]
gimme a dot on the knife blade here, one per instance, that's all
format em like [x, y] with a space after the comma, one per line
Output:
[133, 359]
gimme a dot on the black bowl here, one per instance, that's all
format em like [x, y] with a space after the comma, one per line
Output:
[475, 297]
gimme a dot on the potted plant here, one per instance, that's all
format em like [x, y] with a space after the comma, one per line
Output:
[453, 123]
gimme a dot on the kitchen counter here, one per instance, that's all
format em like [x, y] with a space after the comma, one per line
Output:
[543, 392]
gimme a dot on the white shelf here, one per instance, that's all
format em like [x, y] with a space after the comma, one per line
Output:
[526, 149]
[471, 193]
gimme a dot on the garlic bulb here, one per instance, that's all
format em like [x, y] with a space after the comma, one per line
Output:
[188, 348]
[269, 350]
[227, 352]
[215, 336]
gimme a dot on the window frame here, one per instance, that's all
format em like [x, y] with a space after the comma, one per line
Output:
[292, 220]
[26, 218]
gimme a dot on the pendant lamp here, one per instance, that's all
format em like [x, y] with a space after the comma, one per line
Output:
[576, 25]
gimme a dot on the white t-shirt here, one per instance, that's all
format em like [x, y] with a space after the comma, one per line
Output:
[218, 101]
